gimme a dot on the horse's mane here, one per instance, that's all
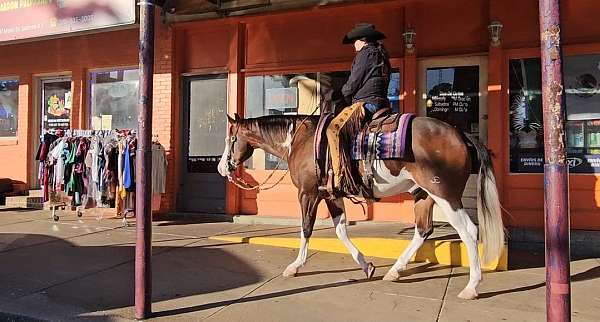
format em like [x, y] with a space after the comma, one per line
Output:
[273, 126]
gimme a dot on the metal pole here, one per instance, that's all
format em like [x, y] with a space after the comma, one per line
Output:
[556, 185]
[143, 178]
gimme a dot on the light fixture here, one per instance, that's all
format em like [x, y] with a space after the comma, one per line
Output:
[495, 28]
[409, 40]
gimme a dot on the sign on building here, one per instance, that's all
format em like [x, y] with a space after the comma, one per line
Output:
[23, 19]
[284, 100]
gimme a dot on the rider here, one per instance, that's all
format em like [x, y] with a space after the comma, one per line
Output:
[364, 93]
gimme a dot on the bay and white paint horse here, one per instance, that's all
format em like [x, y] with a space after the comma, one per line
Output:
[440, 168]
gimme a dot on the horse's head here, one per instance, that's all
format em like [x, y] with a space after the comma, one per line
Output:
[237, 147]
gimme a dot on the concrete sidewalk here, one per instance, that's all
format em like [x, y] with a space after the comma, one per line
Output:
[82, 269]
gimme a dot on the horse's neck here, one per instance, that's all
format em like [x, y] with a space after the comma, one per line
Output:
[282, 142]
[277, 144]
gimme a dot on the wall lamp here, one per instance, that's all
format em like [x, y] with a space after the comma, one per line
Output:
[495, 29]
[409, 40]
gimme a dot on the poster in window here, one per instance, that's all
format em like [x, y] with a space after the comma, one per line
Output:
[453, 96]
[57, 103]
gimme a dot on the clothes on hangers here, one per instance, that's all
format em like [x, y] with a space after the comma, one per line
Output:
[159, 168]
[89, 170]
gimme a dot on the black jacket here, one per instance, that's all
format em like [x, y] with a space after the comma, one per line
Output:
[369, 78]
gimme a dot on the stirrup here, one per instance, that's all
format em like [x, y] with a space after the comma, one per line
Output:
[327, 190]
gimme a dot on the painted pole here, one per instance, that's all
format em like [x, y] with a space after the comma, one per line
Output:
[556, 184]
[143, 178]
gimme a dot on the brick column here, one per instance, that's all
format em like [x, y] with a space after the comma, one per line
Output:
[497, 108]
[497, 115]
[26, 131]
[163, 118]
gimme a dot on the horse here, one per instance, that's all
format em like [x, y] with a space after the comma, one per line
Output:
[440, 168]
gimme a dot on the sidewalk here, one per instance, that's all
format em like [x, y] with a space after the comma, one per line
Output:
[82, 269]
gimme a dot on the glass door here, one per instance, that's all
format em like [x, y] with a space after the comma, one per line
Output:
[204, 130]
[454, 90]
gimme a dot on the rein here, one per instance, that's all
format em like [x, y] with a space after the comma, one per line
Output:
[242, 184]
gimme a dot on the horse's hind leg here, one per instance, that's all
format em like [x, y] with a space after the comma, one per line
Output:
[459, 219]
[338, 215]
[309, 205]
[423, 229]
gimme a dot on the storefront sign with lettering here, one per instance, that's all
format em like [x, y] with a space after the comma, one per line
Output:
[22, 19]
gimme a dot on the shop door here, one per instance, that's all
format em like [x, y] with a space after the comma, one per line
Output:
[454, 90]
[54, 100]
[56, 103]
[204, 129]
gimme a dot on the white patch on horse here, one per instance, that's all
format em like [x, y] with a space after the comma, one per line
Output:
[385, 184]
[222, 167]
[287, 144]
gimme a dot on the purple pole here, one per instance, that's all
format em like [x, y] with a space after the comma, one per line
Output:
[556, 184]
[143, 178]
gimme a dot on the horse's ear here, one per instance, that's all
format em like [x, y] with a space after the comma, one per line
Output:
[231, 121]
[237, 117]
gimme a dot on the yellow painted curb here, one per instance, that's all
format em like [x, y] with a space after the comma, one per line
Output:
[445, 252]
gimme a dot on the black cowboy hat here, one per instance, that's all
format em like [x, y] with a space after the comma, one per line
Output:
[363, 30]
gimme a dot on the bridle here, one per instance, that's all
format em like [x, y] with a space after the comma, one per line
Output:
[231, 164]
[240, 182]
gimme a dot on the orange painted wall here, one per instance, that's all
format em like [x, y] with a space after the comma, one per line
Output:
[73, 55]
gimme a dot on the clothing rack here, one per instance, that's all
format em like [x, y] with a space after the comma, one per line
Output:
[82, 192]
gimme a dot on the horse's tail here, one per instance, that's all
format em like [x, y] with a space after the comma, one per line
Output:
[489, 214]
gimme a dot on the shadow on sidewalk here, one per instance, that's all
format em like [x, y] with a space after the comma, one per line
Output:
[100, 278]
[590, 274]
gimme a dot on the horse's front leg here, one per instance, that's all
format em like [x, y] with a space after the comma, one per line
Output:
[308, 203]
[338, 215]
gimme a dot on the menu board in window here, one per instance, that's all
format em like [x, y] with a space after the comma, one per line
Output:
[453, 96]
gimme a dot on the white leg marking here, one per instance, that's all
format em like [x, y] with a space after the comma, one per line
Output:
[340, 230]
[459, 219]
[292, 269]
[409, 252]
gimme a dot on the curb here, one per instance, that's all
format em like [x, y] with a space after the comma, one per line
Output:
[445, 252]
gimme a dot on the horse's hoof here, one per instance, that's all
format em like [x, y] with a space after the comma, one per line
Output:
[370, 271]
[468, 294]
[391, 275]
[290, 272]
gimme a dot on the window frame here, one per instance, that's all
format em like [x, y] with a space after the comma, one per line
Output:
[88, 86]
[395, 62]
[525, 53]
[18, 79]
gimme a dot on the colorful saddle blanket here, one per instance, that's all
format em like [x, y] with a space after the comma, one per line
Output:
[389, 138]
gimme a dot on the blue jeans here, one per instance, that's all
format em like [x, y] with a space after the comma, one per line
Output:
[372, 108]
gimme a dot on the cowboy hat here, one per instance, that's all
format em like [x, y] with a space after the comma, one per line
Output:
[362, 30]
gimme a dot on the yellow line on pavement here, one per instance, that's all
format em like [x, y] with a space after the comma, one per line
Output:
[445, 252]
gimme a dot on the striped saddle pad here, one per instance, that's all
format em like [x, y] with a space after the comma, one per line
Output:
[369, 145]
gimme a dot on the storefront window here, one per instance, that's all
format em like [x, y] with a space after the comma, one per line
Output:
[297, 94]
[114, 99]
[9, 104]
[582, 91]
